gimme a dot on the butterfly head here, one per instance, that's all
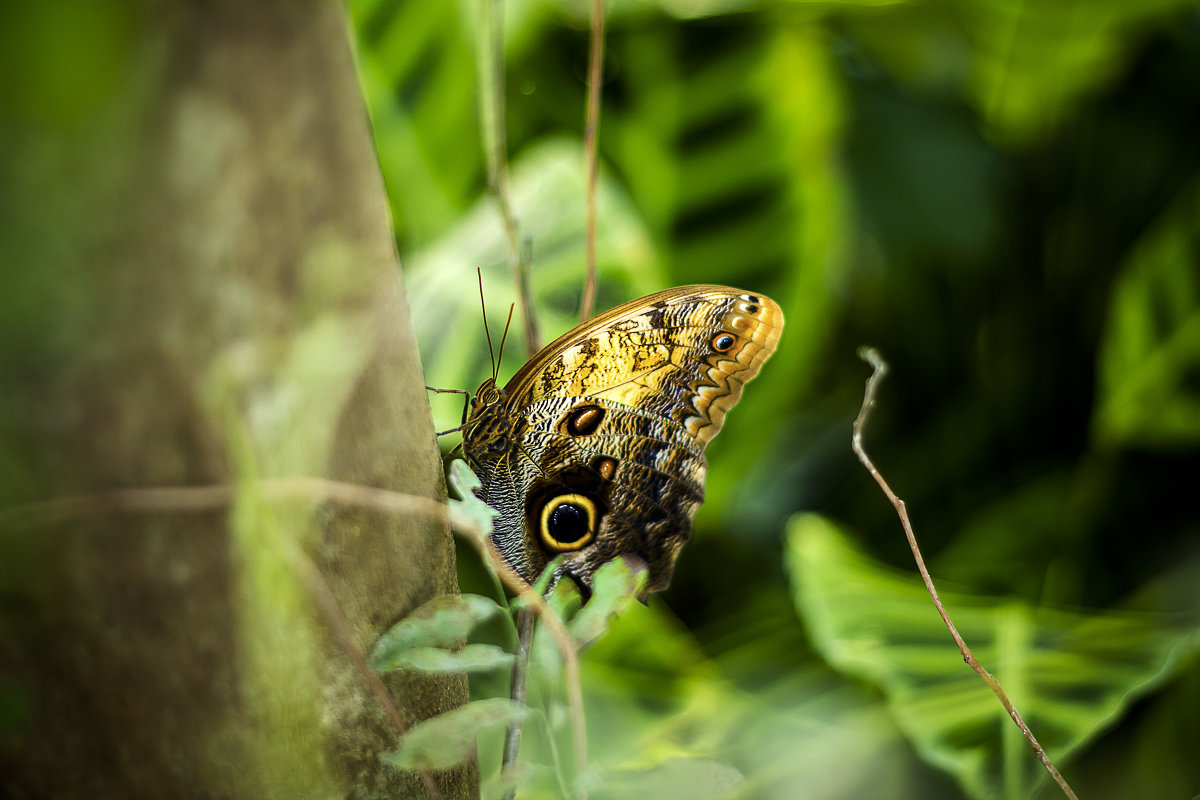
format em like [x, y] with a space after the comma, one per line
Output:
[487, 434]
[488, 394]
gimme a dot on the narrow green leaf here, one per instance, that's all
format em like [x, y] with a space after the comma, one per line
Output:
[471, 658]
[431, 176]
[542, 587]
[1150, 352]
[449, 738]
[1069, 674]
[1031, 65]
[442, 622]
[542, 584]
[564, 601]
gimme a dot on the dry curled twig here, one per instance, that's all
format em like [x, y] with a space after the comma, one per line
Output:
[879, 369]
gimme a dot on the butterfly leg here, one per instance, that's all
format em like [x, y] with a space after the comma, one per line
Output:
[466, 405]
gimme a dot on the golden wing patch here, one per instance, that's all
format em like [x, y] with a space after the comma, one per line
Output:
[711, 338]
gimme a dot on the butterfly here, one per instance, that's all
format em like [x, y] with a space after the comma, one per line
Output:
[595, 447]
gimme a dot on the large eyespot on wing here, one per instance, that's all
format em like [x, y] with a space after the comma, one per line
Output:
[567, 502]
[644, 472]
[567, 522]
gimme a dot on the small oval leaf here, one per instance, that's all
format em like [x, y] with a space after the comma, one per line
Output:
[449, 738]
[442, 622]
[472, 658]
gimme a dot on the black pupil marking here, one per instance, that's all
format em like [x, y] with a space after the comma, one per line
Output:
[752, 309]
[568, 523]
[723, 342]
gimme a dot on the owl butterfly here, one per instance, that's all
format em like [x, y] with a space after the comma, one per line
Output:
[595, 448]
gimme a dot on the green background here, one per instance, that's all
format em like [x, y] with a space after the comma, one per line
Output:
[1003, 197]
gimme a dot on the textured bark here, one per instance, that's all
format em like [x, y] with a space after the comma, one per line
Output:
[201, 287]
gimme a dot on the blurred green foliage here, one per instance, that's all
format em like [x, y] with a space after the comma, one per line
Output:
[1072, 672]
[1000, 195]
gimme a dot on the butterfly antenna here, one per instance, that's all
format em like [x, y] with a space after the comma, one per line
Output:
[495, 367]
[486, 332]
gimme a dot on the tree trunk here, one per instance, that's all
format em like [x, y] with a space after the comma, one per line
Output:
[200, 288]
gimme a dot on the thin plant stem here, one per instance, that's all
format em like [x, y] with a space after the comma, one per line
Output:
[591, 132]
[879, 369]
[517, 690]
[214, 496]
[491, 120]
[558, 631]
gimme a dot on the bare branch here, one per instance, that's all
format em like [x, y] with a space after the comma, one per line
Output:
[879, 370]
[591, 145]
[491, 120]
[214, 496]
[562, 637]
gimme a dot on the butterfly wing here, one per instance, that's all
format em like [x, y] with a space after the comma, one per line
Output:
[606, 429]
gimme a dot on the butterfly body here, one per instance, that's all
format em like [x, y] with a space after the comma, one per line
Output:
[595, 448]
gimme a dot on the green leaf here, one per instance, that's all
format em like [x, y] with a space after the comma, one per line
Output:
[471, 658]
[542, 584]
[1070, 675]
[442, 622]
[565, 601]
[464, 482]
[614, 586]
[564, 598]
[449, 738]
[1150, 351]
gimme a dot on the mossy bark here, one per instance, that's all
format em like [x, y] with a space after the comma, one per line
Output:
[200, 287]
